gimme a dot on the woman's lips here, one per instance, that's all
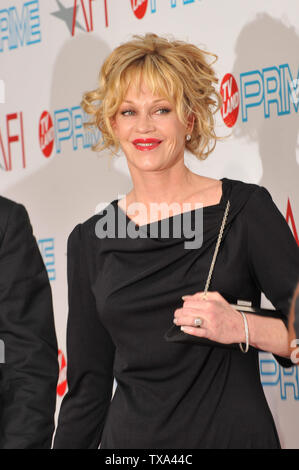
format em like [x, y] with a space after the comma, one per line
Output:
[146, 144]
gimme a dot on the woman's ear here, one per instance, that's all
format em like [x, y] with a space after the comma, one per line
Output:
[113, 126]
[112, 123]
[190, 125]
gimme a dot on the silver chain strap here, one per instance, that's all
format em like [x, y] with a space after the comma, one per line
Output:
[216, 249]
[210, 275]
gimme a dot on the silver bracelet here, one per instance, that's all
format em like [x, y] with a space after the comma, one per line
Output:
[246, 334]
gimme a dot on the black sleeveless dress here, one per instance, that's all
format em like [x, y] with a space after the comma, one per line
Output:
[122, 297]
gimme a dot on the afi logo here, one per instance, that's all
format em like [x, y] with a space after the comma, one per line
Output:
[62, 384]
[87, 11]
[12, 149]
[290, 217]
[139, 8]
[70, 17]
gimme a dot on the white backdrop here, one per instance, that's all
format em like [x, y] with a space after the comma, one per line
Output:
[49, 57]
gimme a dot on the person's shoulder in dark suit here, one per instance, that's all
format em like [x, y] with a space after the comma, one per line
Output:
[29, 368]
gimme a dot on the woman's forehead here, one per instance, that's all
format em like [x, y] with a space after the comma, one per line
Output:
[143, 91]
[135, 92]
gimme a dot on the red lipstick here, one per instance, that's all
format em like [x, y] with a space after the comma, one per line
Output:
[146, 144]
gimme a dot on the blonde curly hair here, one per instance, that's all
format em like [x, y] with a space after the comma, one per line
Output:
[174, 69]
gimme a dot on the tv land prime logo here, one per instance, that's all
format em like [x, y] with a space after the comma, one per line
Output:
[20, 26]
[139, 8]
[231, 100]
[65, 126]
[46, 134]
[273, 89]
[46, 246]
[273, 375]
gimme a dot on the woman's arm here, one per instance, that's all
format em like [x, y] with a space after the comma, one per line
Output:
[90, 357]
[273, 257]
[268, 334]
[223, 324]
[273, 261]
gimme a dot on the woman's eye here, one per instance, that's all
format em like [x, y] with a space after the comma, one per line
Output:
[130, 112]
[127, 112]
[163, 111]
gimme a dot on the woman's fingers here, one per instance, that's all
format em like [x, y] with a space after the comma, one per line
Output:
[190, 321]
[185, 319]
[186, 316]
[200, 332]
[218, 321]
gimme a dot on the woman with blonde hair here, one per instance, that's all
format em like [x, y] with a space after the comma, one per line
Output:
[155, 99]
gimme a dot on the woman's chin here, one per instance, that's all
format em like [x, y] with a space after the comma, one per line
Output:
[147, 163]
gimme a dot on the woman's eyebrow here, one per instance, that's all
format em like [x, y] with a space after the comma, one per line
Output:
[155, 101]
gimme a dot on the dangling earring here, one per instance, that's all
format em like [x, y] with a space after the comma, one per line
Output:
[188, 137]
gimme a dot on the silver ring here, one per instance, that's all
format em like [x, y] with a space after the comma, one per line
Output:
[198, 322]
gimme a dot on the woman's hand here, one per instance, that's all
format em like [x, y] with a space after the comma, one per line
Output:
[220, 322]
[293, 340]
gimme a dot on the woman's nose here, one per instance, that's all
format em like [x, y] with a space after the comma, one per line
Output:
[144, 123]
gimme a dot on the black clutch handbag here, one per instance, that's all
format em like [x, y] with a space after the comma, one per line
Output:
[176, 335]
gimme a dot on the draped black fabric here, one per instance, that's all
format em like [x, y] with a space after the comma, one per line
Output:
[28, 377]
[122, 297]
